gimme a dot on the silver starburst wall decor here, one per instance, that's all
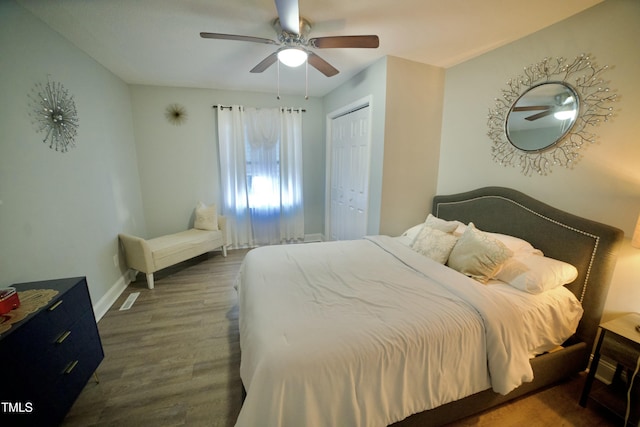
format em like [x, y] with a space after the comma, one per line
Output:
[53, 112]
[176, 114]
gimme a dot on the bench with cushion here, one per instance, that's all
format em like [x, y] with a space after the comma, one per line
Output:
[148, 256]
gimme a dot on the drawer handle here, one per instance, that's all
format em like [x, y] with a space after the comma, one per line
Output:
[63, 337]
[70, 368]
[54, 306]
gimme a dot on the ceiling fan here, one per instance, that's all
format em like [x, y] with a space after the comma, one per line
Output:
[294, 43]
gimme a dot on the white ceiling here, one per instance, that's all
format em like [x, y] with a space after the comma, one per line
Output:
[157, 42]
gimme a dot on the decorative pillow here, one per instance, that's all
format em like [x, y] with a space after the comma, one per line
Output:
[412, 232]
[206, 217]
[536, 273]
[434, 243]
[478, 255]
[433, 222]
[441, 224]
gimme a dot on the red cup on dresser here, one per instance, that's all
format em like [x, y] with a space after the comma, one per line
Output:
[8, 300]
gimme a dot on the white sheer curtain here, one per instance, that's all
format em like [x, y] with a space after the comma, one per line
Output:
[233, 171]
[292, 215]
[261, 171]
[262, 131]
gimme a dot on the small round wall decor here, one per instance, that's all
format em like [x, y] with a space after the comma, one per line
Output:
[53, 112]
[176, 114]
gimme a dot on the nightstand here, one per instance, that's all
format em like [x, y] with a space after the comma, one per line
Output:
[619, 341]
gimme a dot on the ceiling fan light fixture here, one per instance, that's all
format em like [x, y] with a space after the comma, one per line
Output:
[292, 56]
[565, 115]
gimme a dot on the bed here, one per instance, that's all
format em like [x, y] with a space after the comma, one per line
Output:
[371, 332]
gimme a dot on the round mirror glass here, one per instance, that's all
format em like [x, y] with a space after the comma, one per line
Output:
[542, 116]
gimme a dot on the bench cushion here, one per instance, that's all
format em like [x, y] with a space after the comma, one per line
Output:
[174, 248]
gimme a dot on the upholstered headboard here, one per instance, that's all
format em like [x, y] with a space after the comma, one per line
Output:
[590, 246]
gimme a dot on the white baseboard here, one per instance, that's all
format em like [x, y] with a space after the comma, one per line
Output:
[605, 371]
[102, 306]
[315, 237]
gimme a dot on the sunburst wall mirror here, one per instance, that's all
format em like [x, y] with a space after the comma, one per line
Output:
[544, 115]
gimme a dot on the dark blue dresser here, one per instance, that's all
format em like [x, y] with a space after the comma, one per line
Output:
[47, 358]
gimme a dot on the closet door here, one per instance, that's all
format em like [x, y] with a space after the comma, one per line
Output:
[349, 174]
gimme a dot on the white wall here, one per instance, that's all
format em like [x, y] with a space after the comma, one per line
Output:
[370, 82]
[406, 121]
[60, 213]
[605, 184]
[179, 165]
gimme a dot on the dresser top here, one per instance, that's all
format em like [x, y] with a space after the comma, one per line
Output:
[60, 285]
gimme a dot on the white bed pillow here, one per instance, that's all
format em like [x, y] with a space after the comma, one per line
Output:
[536, 273]
[434, 243]
[478, 254]
[517, 245]
[206, 217]
[433, 222]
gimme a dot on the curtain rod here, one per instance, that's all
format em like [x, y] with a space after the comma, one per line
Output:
[284, 108]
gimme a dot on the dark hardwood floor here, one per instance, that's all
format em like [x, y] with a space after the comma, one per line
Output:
[173, 359]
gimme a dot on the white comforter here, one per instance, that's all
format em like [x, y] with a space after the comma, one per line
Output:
[368, 332]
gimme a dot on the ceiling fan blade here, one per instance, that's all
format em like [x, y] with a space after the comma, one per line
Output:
[289, 15]
[265, 63]
[345, 41]
[321, 65]
[533, 108]
[236, 37]
[540, 115]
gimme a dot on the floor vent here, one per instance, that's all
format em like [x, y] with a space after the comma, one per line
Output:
[129, 301]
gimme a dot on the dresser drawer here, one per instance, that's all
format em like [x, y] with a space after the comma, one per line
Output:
[66, 350]
[49, 324]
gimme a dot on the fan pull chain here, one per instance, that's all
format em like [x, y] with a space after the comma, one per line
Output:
[278, 73]
[306, 78]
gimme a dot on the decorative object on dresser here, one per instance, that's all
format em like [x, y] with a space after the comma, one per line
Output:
[542, 118]
[8, 301]
[49, 354]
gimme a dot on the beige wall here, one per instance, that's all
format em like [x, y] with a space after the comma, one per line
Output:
[605, 184]
[411, 143]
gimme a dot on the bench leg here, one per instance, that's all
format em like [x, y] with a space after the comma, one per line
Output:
[224, 251]
[150, 280]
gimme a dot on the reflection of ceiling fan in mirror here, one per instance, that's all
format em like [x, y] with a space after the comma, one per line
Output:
[546, 110]
[292, 37]
[563, 109]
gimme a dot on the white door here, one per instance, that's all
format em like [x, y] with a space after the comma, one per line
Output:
[349, 174]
